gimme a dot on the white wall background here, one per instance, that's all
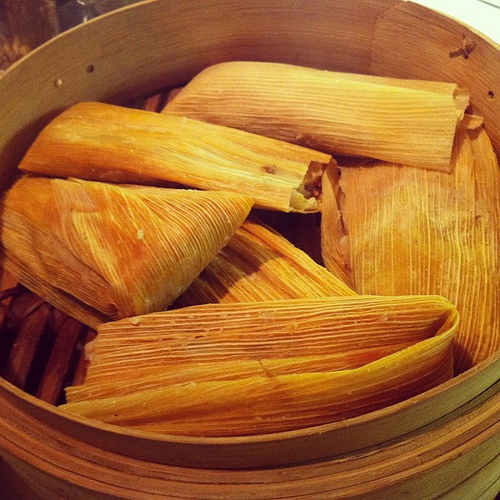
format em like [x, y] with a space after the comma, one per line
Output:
[482, 15]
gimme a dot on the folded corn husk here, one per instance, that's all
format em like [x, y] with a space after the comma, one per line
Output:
[335, 240]
[259, 264]
[405, 121]
[99, 251]
[233, 369]
[410, 231]
[97, 141]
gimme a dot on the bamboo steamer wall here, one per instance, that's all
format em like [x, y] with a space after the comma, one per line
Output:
[442, 444]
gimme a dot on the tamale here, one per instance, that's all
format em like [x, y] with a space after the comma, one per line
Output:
[102, 142]
[259, 264]
[99, 251]
[405, 121]
[278, 354]
[221, 341]
[411, 231]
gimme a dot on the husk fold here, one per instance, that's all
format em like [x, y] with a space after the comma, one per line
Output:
[250, 368]
[99, 251]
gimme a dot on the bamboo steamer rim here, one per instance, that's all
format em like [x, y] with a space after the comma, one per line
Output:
[311, 443]
[453, 458]
[308, 444]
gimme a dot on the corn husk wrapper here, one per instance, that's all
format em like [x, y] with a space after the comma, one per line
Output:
[404, 121]
[236, 369]
[409, 231]
[99, 251]
[259, 264]
[335, 240]
[102, 142]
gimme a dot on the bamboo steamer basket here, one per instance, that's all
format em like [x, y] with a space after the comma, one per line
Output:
[444, 443]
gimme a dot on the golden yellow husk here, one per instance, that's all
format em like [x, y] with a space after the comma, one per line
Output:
[405, 230]
[405, 121]
[99, 251]
[251, 368]
[260, 264]
[102, 142]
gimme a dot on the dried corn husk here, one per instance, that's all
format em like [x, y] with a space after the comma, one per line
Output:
[334, 238]
[99, 251]
[97, 141]
[410, 231]
[259, 264]
[403, 121]
[229, 369]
